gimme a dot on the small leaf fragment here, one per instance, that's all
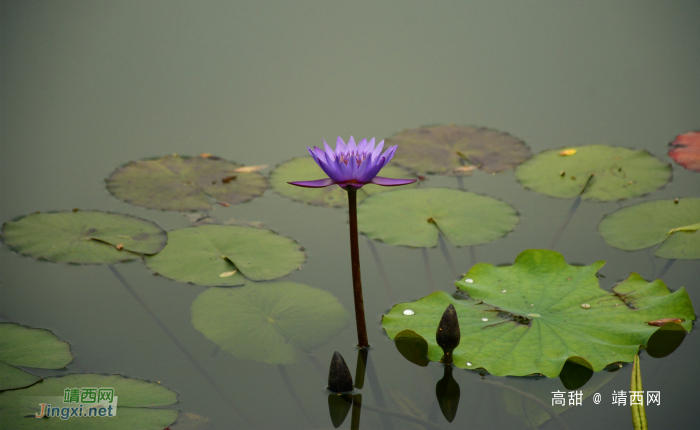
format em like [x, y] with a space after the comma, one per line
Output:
[689, 228]
[227, 274]
[567, 152]
[662, 321]
[248, 169]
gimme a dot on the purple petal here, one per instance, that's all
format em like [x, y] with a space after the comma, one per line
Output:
[378, 150]
[311, 151]
[372, 170]
[320, 155]
[319, 183]
[330, 167]
[361, 146]
[388, 155]
[391, 182]
[329, 151]
[369, 149]
[352, 164]
[343, 172]
[351, 148]
[339, 146]
[361, 174]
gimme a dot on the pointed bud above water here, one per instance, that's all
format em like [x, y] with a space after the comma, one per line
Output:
[339, 377]
[448, 335]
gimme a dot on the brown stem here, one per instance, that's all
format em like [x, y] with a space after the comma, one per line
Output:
[356, 278]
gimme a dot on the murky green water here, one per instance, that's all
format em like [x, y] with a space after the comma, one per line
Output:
[87, 87]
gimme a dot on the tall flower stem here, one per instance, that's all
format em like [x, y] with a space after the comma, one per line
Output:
[356, 278]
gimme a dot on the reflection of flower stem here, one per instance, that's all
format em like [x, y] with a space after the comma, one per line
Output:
[380, 266]
[570, 215]
[295, 396]
[428, 272]
[572, 211]
[664, 269]
[181, 347]
[552, 413]
[377, 392]
[446, 253]
[356, 409]
[472, 254]
[356, 278]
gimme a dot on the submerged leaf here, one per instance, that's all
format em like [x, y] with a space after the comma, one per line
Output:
[596, 172]
[268, 322]
[685, 150]
[445, 149]
[218, 255]
[181, 184]
[669, 222]
[305, 169]
[83, 237]
[416, 217]
[527, 318]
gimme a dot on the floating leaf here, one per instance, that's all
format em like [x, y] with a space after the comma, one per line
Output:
[202, 254]
[538, 323]
[83, 237]
[305, 169]
[28, 347]
[445, 149]
[182, 184]
[134, 407]
[268, 322]
[685, 150]
[618, 173]
[416, 217]
[647, 224]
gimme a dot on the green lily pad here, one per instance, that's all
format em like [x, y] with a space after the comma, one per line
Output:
[532, 316]
[134, 407]
[221, 255]
[83, 237]
[182, 184]
[673, 225]
[618, 173]
[446, 149]
[268, 322]
[306, 169]
[28, 347]
[416, 217]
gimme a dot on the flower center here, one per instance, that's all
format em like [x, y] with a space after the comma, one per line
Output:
[359, 158]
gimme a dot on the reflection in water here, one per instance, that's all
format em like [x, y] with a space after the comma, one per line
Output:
[413, 347]
[574, 375]
[339, 406]
[665, 340]
[447, 392]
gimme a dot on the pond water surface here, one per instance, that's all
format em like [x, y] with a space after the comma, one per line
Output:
[87, 87]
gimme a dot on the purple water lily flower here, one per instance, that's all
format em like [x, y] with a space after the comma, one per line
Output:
[352, 165]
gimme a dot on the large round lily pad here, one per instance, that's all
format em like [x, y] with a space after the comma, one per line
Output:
[28, 347]
[269, 322]
[306, 169]
[135, 403]
[534, 315]
[685, 150]
[219, 255]
[83, 237]
[447, 149]
[416, 217]
[674, 225]
[182, 184]
[617, 173]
